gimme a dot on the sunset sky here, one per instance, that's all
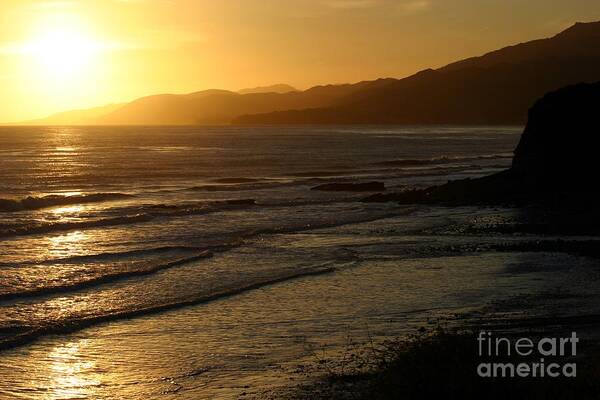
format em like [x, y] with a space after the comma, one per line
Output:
[57, 55]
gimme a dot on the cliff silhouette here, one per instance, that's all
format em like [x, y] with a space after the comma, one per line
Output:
[559, 147]
[555, 162]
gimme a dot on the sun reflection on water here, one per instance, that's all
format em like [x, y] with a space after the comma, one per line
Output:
[71, 193]
[71, 375]
[58, 211]
[69, 244]
[65, 149]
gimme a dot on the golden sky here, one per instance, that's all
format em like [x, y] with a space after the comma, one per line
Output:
[64, 54]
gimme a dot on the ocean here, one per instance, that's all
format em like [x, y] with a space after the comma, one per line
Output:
[196, 262]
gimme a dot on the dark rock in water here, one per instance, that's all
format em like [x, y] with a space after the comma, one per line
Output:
[555, 162]
[351, 187]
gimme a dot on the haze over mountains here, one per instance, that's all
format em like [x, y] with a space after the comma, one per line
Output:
[277, 88]
[77, 117]
[496, 88]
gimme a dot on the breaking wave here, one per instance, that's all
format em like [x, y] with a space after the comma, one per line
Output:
[443, 160]
[15, 335]
[35, 203]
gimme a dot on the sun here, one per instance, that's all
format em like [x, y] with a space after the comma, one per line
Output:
[62, 60]
[62, 52]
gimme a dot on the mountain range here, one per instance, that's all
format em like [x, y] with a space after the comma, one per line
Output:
[495, 88]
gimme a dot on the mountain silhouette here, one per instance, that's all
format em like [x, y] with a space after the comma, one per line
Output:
[211, 107]
[221, 106]
[496, 88]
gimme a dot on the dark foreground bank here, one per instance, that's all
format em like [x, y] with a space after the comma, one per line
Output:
[445, 364]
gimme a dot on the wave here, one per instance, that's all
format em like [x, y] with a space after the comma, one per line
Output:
[445, 171]
[383, 169]
[442, 160]
[388, 169]
[351, 198]
[50, 227]
[109, 256]
[199, 207]
[17, 335]
[239, 239]
[217, 246]
[151, 212]
[122, 255]
[35, 203]
[239, 186]
[324, 173]
[236, 180]
[326, 224]
[99, 280]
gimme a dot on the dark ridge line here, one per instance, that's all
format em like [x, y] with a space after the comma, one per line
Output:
[73, 326]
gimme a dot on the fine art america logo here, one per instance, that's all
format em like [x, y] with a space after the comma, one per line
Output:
[545, 352]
